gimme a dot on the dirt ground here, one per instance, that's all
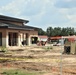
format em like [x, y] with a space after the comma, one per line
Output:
[48, 60]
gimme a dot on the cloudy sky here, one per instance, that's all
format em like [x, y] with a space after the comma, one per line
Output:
[42, 13]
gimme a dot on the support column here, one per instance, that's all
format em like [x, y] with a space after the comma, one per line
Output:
[19, 43]
[29, 40]
[21, 37]
[5, 39]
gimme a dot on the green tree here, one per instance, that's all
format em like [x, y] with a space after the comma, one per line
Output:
[64, 32]
[70, 31]
[41, 32]
[49, 31]
[56, 31]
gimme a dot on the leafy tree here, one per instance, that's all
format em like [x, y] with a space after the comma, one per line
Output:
[64, 32]
[41, 32]
[70, 31]
[57, 31]
[49, 31]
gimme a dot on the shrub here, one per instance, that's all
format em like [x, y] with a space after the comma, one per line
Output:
[48, 48]
[3, 49]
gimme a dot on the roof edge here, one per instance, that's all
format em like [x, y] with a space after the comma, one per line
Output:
[3, 17]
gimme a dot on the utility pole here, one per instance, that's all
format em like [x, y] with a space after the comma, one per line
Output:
[61, 57]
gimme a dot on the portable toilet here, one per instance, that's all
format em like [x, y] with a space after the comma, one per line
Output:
[70, 47]
[73, 48]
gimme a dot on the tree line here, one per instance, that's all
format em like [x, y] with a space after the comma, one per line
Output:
[57, 31]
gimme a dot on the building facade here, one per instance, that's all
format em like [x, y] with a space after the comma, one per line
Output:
[15, 32]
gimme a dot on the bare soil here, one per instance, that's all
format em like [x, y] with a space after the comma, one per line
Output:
[39, 59]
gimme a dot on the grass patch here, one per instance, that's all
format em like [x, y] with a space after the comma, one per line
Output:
[3, 49]
[48, 48]
[19, 72]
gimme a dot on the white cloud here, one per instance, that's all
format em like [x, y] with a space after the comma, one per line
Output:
[68, 0]
[42, 13]
[14, 7]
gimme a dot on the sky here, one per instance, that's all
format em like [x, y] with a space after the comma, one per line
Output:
[41, 13]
